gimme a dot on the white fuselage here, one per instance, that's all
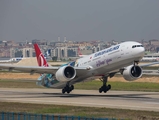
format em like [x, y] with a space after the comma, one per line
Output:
[113, 58]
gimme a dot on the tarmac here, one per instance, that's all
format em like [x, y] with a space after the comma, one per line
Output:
[133, 100]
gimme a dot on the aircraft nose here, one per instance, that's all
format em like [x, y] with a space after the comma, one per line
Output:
[141, 51]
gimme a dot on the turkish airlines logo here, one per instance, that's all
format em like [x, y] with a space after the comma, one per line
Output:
[41, 61]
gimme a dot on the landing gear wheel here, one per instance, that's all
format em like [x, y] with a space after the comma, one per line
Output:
[105, 91]
[72, 87]
[109, 87]
[100, 90]
[67, 89]
[105, 87]
[63, 90]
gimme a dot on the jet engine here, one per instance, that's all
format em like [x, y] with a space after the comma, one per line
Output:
[65, 73]
[132, 73]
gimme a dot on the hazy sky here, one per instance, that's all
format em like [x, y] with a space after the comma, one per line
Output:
[79, 20]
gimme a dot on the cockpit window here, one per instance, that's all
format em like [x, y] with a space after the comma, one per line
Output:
[134, 46]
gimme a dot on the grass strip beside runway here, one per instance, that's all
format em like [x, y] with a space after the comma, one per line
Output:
[126, 86]
[92, 85]
[18, 84]
[78, 111]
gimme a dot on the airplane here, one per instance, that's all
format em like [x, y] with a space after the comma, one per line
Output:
[5, 61]
[80, 54]
[16, 59]
[121, 58]
[150, 58]
[47, 54]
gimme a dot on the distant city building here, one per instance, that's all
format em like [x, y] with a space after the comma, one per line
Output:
[39, 42]
[63, 49]
[27, 52]
[12, 52]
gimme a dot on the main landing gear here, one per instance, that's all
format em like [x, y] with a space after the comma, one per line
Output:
[67, 88]
[105, 87]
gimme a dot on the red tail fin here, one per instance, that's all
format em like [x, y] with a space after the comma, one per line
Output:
[79, 52]
[40, 57]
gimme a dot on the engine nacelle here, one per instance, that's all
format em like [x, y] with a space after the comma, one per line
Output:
[65, 73]
[130, 73]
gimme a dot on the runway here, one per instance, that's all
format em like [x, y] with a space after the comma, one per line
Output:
[148, 101]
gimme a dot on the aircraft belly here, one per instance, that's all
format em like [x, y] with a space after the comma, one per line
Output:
[61, 85]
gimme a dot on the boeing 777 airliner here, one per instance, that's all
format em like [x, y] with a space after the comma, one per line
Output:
[121, 58]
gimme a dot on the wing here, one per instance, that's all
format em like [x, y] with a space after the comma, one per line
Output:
[112, 73]
[39, 69]
[29, 69]
[149, 64]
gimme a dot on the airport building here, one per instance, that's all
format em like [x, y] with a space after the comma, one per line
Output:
[28, 52]
[12, 52]
[64, 52]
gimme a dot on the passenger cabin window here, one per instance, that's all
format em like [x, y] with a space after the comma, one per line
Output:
[134, 46]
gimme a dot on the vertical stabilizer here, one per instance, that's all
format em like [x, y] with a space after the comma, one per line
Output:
[40, 57]
[80, 54]
[79, 51]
